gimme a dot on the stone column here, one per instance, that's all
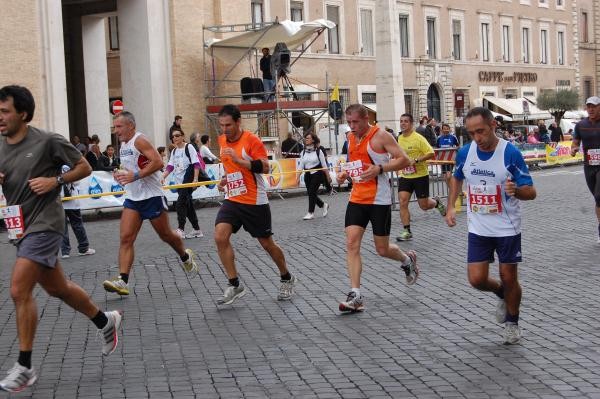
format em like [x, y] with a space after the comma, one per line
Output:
[93, 34]
[390, 87]
[54, 81]
[146, 69]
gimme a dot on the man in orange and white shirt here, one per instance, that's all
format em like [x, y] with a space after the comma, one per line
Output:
[244, 159]
[369, 153]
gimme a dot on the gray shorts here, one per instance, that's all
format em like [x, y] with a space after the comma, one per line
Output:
[41, 247]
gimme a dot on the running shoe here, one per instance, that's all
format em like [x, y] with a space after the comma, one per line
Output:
[232, 293]
[354, 303]
[89, 251]
[512, 333]
[116, 285]
[404, 236]
[65, 256]
[501, 311]
[325, 209]
[190, 265]
[180, 233]
[439, 206]
[18, 378]
[110, 333]
[195, 234]
[286, 290]
[411, 270]
[309, 216]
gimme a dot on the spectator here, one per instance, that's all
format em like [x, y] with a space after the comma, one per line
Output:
[543, 132]
[313, 157]
[94, 157]
[531, 139]
[290, 147]
[429, 132]
[556, 133]
[195, 141]
[86, 142]
[175, 126]
[95, 139]
[162, 151]
[73, 217]
[185, 165]
[207, 156]
[446, 139]
[268, 81]
[78, 144]
[108, 160]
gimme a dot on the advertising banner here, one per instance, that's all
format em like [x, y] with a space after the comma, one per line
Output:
[560, 153]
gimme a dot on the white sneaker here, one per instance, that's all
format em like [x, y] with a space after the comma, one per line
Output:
[90, 251]
[195, 234]
[180, 233]
[190, 265]
[309, 216]
[512, 333]
[18, 378]
[325, 209]
[110, 333]
[65, 256]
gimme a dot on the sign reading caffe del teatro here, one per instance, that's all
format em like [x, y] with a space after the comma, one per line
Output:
[501, 77]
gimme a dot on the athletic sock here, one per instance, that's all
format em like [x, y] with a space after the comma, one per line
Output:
[286, 277]
[100, 320]
[125, 277]
[500, 292]
[407, 228]
[185, 257]
[512, 318]
[25, 359]
[234, 281]
[356, 291]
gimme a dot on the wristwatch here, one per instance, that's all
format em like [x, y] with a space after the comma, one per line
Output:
[60, 180]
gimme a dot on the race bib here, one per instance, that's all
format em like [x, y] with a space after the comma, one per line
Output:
[235, 184]
[409, 170]
[484, 199]
[593, 156]
[354, 170]
[13, 218]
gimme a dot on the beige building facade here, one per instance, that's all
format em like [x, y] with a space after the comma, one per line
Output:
[454, 54]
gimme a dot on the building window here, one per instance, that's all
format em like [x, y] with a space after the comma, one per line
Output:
[560, 3]
[544, 46]
[587, 88]
[584, 27]
[525, 45]
[366, 31]
[485, 41]
[296, 11]
[369, 98]
[431, 42]
[256, 8]
[344, 100]
[506, 43]
[409, 103]
[113, 33]
[404, 36]
[456, 31]
[333, 14]
[561, 48]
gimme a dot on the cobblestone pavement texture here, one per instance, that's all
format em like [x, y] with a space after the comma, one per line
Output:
[437, 339]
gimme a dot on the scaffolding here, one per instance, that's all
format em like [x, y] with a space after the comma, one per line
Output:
[271, 116]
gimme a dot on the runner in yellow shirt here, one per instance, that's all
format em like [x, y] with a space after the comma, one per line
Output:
[414, 177]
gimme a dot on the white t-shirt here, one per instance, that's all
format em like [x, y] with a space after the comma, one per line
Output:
[205, 152]
[180, 162]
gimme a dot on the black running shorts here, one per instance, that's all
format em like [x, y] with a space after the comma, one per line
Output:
[418, 185]
[256, 219]
[592, 178]
[380, 217]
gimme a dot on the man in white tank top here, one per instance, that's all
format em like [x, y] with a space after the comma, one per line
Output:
[497, 180]
[144, 199]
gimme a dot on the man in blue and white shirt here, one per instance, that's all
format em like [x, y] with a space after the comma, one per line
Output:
[497, 179]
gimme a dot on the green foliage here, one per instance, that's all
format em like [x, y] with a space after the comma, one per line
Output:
[558, 102]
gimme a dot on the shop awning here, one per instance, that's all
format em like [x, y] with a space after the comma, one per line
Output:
[293, 34]
[514, 108]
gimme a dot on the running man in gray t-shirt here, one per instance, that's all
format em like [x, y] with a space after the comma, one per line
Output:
[31, 179]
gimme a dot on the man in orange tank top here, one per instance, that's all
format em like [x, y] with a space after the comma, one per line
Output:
[244, 159]
[369, 153]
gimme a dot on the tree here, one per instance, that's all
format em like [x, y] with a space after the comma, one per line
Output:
[558, 102]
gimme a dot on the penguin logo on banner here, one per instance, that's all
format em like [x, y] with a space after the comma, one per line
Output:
[94, 187]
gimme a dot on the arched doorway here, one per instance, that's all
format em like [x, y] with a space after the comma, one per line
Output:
[433, 103]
